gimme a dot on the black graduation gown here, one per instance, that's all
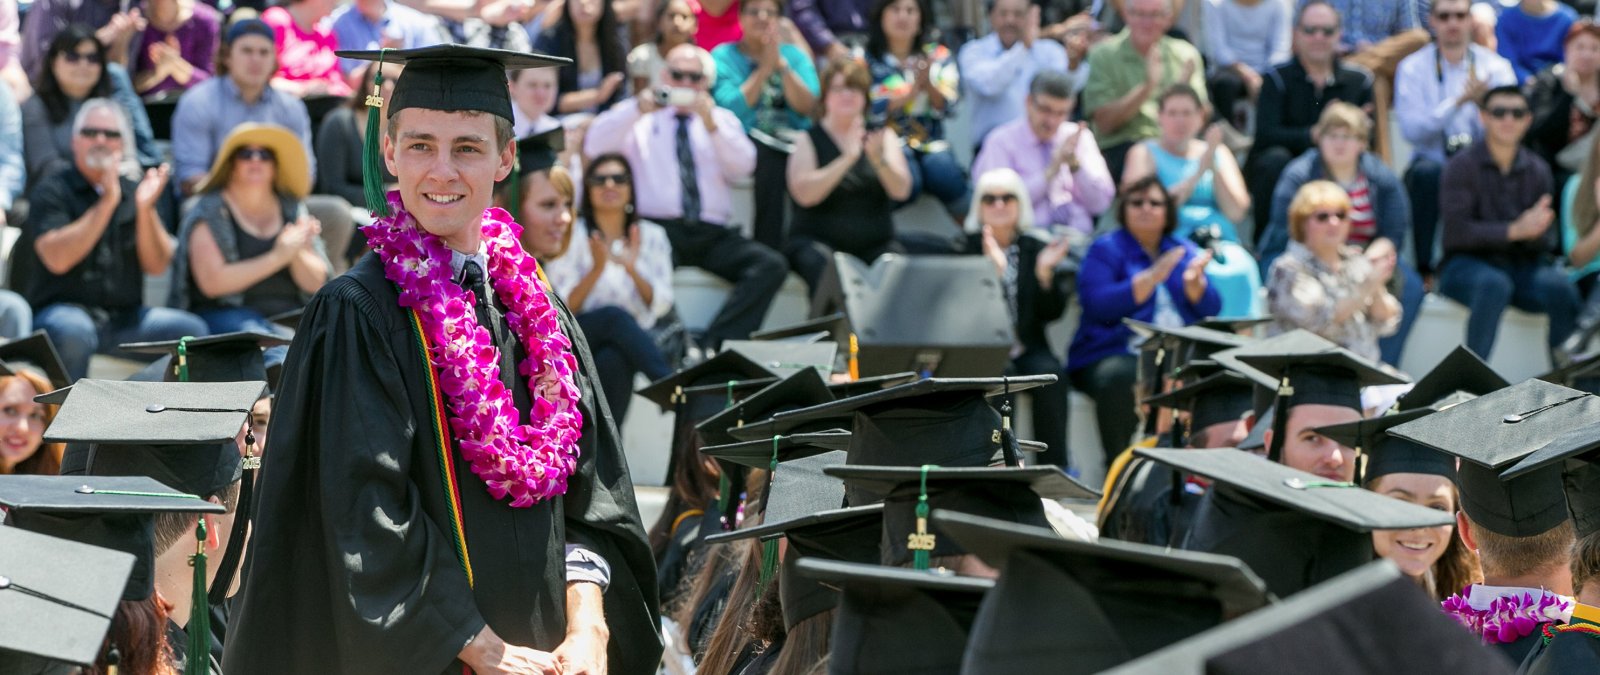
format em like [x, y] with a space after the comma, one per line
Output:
[1569, 652]
[1150, 507]
[685, 553]
[1519, 650]
[352, 567]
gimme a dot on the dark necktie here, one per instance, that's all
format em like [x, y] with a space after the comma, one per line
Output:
[691, 183]
[473, 279]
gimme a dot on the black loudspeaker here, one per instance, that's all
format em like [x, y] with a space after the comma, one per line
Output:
[939, 316]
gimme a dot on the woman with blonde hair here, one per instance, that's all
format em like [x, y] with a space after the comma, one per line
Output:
[1323, 284]
[1000, 227]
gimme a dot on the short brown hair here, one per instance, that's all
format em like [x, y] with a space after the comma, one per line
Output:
[1585, 561]
[1341, 115]
[1310, 197]
[173, 527]
[1506, 556]
[855, 77]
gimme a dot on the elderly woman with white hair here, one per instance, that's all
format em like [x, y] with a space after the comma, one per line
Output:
[1000, 226]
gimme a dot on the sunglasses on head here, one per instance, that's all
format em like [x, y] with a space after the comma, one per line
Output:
[600, 179]
[1514, 112]
[258, 154]
[1328, 216]
[1324, 31]
[1141, 202]
[991, 200]
[81, 57]
[1451, 16]
[108, 134]
[686, 76]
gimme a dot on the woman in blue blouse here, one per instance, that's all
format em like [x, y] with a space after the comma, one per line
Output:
[1139, 271]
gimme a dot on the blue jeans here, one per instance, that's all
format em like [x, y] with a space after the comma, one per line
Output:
[621, 349]
[941, 176]
[16, 316]
[79, 334]
[1487, 286]
[1411, 295]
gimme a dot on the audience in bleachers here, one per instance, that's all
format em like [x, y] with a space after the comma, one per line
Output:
[307, 65]
[177, 48]
[113, 23]
[1530, 34]
[1060, 163]
[533, 99]
[11, 71]
[833, 28]
[1137, 271]
[588, 34]
[1436, 94]
[1000, 226]
[1498, 208]
[915, 84]
[1129, 70]
[248, 248]
[376, 24]
[340, 136]
[1293, 96]
[617, 279]
[1244, 38]
[998, 68]
[1324, 284]
[77, 71]
[674, 25]
[1564, 98]
[1379, 215]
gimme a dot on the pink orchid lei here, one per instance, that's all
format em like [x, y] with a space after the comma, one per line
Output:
[1509, 617]
[527, 462]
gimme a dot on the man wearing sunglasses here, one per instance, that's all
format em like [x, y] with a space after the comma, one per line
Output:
[1436, 91]
[1293, 95]
[93, 235]
[689, 152]
[1499, 246]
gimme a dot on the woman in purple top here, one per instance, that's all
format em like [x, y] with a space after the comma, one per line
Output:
[1139, 271]
[177, 47]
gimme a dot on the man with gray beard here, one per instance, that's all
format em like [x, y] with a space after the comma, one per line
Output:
[92, 236]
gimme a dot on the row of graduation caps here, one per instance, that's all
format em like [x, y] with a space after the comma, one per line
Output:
[847, 501]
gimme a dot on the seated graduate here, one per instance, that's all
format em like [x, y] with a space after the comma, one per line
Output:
[1517, 521]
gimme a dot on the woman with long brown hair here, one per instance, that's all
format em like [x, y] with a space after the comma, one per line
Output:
[22, 424]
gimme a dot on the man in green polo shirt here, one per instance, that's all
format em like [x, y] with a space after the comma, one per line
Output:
[1127, 73]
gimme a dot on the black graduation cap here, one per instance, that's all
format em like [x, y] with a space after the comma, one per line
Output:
[38, 352]
[798, 489]
[1577, 455]
[867, 385]
[802, 389]
[896, 621]
[836, 325]
[110, 512]
[181, 434]
[229, 357]
[538, 152]
[57, 597]
[1461, 371]
[1369, 621]
[1391, 454]
[786, 358]
[944, 421]
[1498, 429]
[1066, 606]
[758, 453]
[453, 77]
[849, 535]
[1179, 346]
[1220, 397]
[1293, 528]
[1012, 494]
[710, 385]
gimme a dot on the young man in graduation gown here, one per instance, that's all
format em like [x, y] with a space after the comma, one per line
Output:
[440, 446]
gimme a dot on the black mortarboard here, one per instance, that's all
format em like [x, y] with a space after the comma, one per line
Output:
[944, 421]
[849, 535]
[802, 389]
[1575, 454]
[712, 381]
[836, 325]
[1065, 606]
[798, 488]
[1317, 370]
[181, 434]
[867, 385]
[897, 621]
[758, 453]
[1181, 345]
[1293, 528]
[786, 358]
[230, 357]
[1220, 397]
[57, 596]
[1460, 371]
[1498, 429]
[111, 512]
[538, 152]
[1011, 494]
[1391, 454]
[37, 352]
[454, 78]
[1370, 621]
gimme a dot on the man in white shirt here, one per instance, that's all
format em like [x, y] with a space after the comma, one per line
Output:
[996, 69]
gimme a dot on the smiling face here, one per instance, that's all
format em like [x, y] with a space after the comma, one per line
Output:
[1148, 20]
[1451, 21]
[1311, 452]
[77, 70]
[757, 18]
[98, 145]
[22, 422]
[1415, 551]
[610, 186]
[545, 215]
[446, 164]
[1317, 36]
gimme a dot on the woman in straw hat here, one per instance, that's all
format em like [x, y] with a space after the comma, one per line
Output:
[248, 249]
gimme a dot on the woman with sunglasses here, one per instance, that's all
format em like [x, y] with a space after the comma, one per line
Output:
[1323, 284]
[75, 71]
[248, 249]
[1138, 271]
[616, 277]
[999, 226]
